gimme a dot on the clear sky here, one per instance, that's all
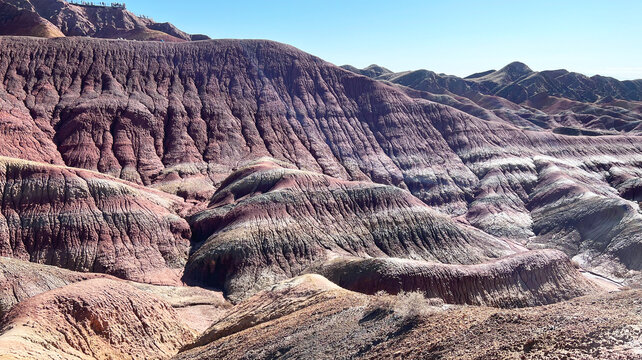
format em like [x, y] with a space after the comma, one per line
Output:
[452, 37]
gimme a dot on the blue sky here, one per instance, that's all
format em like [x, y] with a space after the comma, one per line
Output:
[453, 37]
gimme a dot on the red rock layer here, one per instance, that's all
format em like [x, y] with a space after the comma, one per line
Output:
[92, 319]
[85, 221]
[267, 223]
[23, 22]
[142, 111]
[181, 116]
[525, 279]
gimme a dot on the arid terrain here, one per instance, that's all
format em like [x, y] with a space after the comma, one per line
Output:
[165, 195]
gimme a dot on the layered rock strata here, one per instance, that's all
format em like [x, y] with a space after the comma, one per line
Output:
[85, 221]
[57, 18]
[525, 279]
[181, 117]
[267, 222]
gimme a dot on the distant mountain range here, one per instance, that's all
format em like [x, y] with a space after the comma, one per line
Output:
[566, 102]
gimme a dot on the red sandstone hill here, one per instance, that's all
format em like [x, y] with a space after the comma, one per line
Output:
[93, 319]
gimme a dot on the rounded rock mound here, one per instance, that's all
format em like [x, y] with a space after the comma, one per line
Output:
[267, 223]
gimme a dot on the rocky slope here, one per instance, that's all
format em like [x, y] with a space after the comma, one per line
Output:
[57, 18]
[201, 108]
[181, 117]
[92, 319]
[525, 279]
[309, 318]
[286, 165]
[267, 223]
[274, 302]
[85, 221]
[17, 21]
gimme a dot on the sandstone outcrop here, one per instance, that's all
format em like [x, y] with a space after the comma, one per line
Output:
[525, 279]
[24, 22]
[267, 223]
[92, 319]
[85, 221]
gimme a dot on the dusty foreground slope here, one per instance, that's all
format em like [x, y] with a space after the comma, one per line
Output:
[97, 318]
[52, 313]
[21, 280]
[310, 318]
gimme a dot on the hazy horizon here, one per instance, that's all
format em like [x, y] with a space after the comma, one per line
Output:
[456, 38]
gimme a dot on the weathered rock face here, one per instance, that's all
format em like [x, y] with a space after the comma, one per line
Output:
[85, 221]
[92, 319]
[525, 279]
[180, 117]
[55, 18]
[147, 112]
[573, 212]
[266, 223]
[198, 308]
[25, 22]
[322, 322]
